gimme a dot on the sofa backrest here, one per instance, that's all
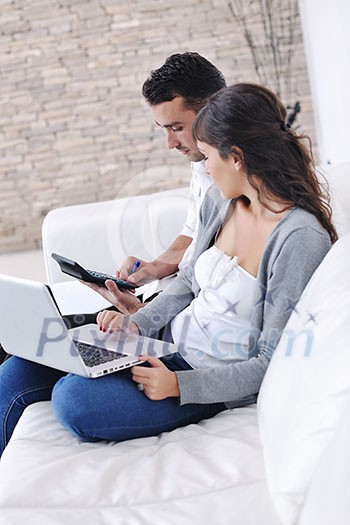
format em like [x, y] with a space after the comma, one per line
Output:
[338, 178]
[101, 235]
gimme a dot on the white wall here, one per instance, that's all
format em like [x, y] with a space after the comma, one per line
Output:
[326, 33]
[74, 127]
[27, 265]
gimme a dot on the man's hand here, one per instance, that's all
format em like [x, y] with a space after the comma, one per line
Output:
[124, 299]
[145, 273]
[109, 321]
[166, 264]
[159, 382]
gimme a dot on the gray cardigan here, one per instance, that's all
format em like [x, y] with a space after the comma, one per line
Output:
[293, 251]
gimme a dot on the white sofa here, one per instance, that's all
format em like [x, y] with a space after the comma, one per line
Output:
[284, 461]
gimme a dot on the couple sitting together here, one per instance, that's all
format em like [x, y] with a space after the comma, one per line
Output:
[264, 227]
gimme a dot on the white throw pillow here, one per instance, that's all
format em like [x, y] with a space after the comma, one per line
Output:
[307, 384]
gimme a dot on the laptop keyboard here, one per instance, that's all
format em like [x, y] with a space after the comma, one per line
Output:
[95, 355]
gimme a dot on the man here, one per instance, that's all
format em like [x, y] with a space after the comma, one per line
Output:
[175, 93]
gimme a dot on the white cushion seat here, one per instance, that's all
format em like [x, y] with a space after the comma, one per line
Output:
[165, 479]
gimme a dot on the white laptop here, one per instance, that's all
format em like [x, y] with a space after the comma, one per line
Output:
[33, 328]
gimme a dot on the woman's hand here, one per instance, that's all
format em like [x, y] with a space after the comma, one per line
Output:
[159, 382]
[124, 299]
[109, 321]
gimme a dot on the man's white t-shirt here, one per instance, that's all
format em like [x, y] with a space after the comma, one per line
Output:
[199, 184]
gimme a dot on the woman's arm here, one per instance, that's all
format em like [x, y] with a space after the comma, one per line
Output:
[163, 308]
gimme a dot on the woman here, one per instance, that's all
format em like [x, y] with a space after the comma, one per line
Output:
[265, 227]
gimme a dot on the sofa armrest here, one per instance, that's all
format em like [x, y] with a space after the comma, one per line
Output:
[100, 235]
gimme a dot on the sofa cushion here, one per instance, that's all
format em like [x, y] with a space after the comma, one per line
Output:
[328, 498]
[308, 384]
[212, 472]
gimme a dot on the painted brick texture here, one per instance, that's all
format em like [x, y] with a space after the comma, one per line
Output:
[73, 125]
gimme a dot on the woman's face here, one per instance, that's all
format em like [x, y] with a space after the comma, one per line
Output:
[226, 173]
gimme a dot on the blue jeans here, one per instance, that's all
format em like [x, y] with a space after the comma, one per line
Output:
[109, 407]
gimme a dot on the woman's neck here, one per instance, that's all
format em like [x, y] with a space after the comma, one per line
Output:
[269, 209]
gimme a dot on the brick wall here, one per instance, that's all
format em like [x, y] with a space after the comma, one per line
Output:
[73, 125]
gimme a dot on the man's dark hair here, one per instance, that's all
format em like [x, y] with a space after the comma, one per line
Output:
[188, 75]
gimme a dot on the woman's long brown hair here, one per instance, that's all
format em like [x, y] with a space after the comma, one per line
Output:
[249, 120]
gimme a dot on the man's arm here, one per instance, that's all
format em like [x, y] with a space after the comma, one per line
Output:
[166, 264]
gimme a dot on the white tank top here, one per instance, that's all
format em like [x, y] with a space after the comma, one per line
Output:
[214, 329]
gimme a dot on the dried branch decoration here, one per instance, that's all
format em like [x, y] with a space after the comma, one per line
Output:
[273, 54]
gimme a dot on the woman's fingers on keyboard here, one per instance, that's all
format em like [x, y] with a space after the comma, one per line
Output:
[106, 317]
[103, 319]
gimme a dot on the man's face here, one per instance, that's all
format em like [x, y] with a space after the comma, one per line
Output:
[177, 122]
